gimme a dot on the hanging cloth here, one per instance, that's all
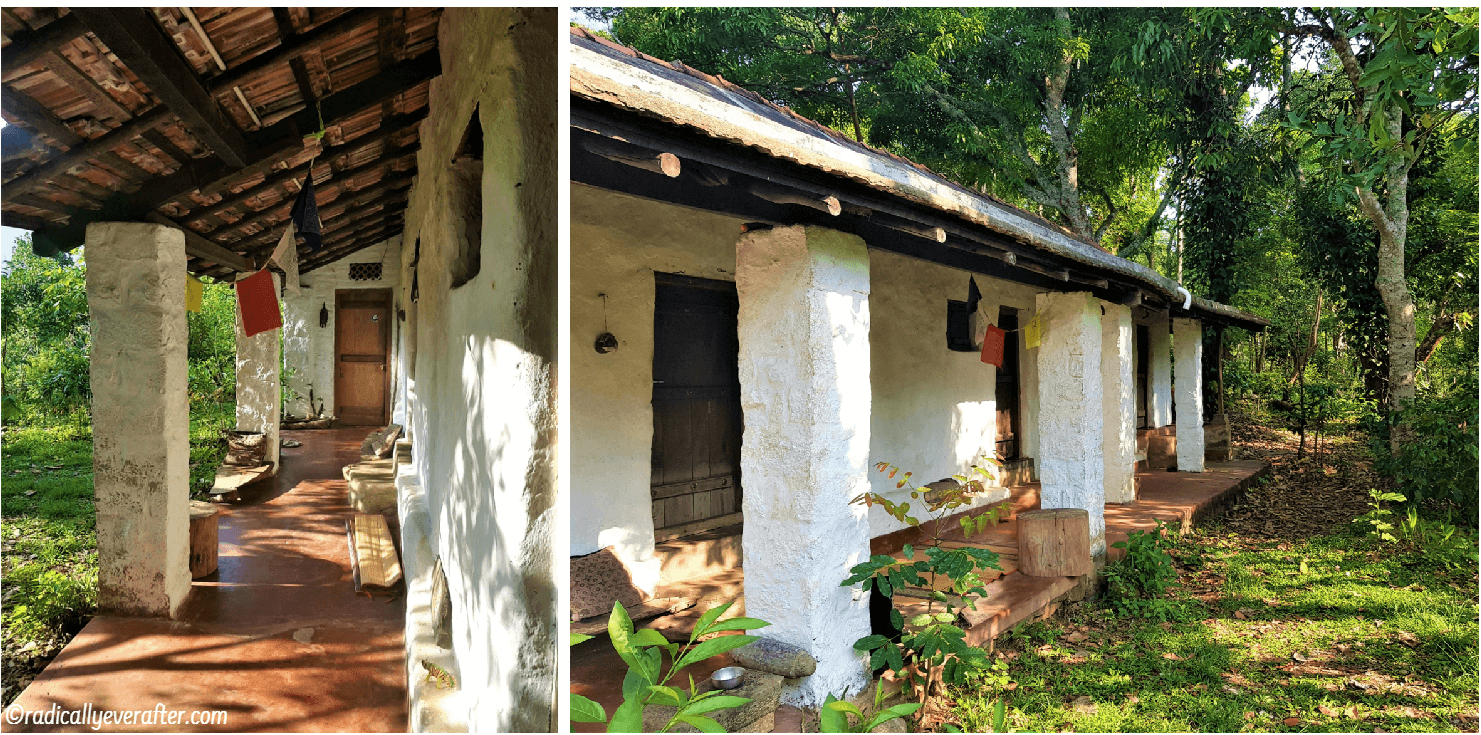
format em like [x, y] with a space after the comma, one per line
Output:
[305, 214]
[1033, 332]
[258, 302]
[992, 346]
[286, 256]
[194, 292]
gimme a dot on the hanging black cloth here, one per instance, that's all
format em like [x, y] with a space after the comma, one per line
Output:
[959, 319]
[305, 215]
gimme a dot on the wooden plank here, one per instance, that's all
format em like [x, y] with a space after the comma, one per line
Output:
[230, 478]
[200, 247]
[684, 488]
[378, 564]
[259, 67]
[22, 109]
[26, 48]
[38, 176]
[135, 38]
[158, 139]
[685, 529]
[103, 103]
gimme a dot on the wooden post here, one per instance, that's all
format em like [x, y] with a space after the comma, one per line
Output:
[204, 532]
[1054, 542]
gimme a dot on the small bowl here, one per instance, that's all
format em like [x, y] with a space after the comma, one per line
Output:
[728, 677]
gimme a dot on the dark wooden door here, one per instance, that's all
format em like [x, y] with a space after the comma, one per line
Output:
[1142, 352]
[696, 406]
[362, 348]
[1007, 389]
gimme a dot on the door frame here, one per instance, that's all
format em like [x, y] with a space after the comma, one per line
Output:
[379, 297]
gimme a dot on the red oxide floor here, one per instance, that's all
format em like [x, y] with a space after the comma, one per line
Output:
[276, 638]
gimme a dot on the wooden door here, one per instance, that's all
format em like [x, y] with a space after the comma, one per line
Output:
[1142, 352]
[696, 406]
[1007, 388]
[362, 349]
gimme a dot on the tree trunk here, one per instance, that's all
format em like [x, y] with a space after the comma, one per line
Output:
[1316, 324]
[1066, 160]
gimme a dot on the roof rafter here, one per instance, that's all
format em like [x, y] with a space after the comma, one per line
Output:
[135, 38]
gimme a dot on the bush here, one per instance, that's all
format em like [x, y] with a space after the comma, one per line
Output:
[1439, 463]
[1145, 573]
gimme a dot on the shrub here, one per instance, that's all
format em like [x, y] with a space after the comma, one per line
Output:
[1146, 572]
[1439, 462]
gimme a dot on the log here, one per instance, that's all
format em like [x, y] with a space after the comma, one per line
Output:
[205, 523]
[1054, 542]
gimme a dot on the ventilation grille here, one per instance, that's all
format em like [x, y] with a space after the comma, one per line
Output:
[365, 271]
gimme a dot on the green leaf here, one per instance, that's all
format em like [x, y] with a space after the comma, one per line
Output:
[894, 713]
[702, 724]
[718, 702]
[714, 647]
[909, 551]
[665, 695]
[706, 620]
[628, 717]
[585, 710]
[870, 642]
[578, 638]
[830, 719]
[738, 623]
[647, 637]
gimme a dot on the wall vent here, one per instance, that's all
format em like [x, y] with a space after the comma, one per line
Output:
[365, 271]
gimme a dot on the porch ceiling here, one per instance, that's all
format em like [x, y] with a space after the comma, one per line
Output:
[736, 153]
[208, 119]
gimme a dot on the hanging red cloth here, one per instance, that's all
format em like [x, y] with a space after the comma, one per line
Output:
[992, 346]
[258, 301]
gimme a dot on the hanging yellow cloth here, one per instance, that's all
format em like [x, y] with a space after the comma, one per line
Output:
[194, 290]
[1033, 332]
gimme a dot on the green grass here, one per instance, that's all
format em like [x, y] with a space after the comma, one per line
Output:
[49, 567]
[1368, 635]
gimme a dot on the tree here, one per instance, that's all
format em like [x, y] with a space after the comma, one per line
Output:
[1409, 72]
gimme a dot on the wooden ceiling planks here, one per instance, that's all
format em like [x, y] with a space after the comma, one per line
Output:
[151, 128]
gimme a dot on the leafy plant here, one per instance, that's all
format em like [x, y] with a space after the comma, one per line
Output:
[647, 681]
[1376, 518]
[932, 646]
[835, 714]
[1146, 571]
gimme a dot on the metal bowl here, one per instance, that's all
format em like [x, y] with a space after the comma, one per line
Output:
[728, 677]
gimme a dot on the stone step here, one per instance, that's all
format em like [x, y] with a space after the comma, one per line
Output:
[1010, 600]
[372, 485]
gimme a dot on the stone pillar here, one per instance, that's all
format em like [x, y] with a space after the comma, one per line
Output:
[141, 416]
[1159, 373]
[805, 391]
[259, 392]
[1188, 384]
[1118, 398]
[1071, 420]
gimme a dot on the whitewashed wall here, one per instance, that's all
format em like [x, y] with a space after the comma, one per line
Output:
[481, 394]
[617, 242]
[308, 349]
[935, 410]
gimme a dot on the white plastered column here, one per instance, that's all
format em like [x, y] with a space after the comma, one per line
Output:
[141, 416]
[1188, 387]
[1071, 420]
[805, 390]
[1159, 372]
[259, 391]
[1118, 398]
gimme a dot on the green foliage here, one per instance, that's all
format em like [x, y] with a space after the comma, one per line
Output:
[1440, 462]
[1377, 518]
[838, 716]
[646, 682]
[1138, 581]
[54, 601]
[932, 640]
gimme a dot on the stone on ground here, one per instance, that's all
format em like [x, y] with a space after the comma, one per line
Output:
[775, 657]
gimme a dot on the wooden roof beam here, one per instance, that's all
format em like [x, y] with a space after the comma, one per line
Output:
[258, 67]
[200, 247]
[326, 257]
[133, 35]
[278, 213]
[37, 177]
[20, 108]
[389, 201]
[26, 48]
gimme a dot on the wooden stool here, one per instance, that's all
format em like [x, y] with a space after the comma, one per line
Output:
[205, 521]
[1054, 542]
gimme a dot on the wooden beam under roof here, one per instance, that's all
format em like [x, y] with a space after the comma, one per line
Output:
[262, 65]
[209, 173]
[37, 177]
[26, 48]
[19, 107]
[200, 247]
[103, 103]
[326, 257]
[133, 35]
[278, 213]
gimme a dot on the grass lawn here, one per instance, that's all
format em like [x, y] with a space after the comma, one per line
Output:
[1323, 629]
[49, 568]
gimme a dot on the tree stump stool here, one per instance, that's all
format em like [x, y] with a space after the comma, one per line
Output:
[205, 520]
[1054, 542]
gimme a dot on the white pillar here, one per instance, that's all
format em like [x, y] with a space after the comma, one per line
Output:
[1188, 341]
[805, 390]
[1071, 420]
[1118, 398]
[141, 416]
[259, 392]
[1159, 373]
